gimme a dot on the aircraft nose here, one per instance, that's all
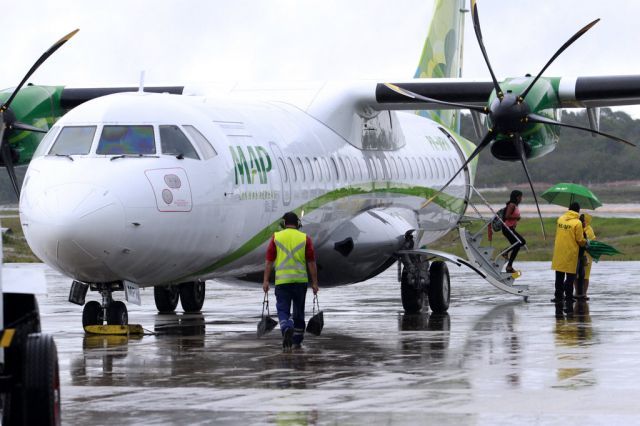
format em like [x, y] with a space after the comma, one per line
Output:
[74, 226]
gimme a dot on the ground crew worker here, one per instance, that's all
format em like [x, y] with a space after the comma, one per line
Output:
[290, 251]
[569, 239]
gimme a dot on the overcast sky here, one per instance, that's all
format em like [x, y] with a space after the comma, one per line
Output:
[189, 41]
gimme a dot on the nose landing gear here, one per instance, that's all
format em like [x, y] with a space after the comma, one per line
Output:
[114, 312]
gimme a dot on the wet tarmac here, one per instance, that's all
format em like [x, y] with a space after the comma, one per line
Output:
[493, 360]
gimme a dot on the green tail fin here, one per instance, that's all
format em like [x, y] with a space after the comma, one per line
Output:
[442, 53]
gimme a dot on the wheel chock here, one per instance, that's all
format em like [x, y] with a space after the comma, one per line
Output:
[115, 330]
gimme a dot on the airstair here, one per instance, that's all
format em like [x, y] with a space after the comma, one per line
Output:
[483, 259]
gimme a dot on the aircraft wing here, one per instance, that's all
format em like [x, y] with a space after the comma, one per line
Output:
[572, 92]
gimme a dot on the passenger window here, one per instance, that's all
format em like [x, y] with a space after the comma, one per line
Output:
[349, 168]
[309, 168]
[174, 142]
[386, 169]
[325, 169]
[424, 169]
[127, 140]
[74, 140]
[372, 169]
[441, 174]
[45, 143]
[408, 167]
[318, 169]
[294, 175]
[202, 143]
[415, 165]
[343, 170]
[301, 168]
[334, 166]
[283, 170]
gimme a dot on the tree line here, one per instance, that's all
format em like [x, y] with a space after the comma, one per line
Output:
[578, 157]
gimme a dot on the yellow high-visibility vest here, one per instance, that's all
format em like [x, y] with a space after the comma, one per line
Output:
[290, 264]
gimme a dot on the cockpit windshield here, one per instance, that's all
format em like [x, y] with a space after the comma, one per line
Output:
[126, 140]
[73, 140]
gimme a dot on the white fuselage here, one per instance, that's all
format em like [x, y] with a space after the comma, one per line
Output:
[163, 218]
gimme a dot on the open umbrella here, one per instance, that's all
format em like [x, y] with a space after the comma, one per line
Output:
[598, 248]
[563, 194]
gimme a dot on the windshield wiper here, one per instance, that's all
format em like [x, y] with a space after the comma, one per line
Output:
[65, 155]
[133, 156]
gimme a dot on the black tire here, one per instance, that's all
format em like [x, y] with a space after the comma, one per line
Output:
[92, 314]
[41, 380]
[117, 313]
[166, 298]
[192, 296]
[439, 289]
[412, 297]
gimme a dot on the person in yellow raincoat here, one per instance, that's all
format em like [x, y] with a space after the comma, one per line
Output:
[569, 239]
[586, 219]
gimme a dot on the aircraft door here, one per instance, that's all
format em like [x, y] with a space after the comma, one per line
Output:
[285, 174]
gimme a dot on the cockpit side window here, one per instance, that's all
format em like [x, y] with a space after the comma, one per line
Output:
[205, 146]
[174, 142]
[45, 143]
[73, 140]
[126, 140]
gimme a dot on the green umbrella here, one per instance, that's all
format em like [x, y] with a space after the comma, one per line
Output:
[563, 194]
[598, 248]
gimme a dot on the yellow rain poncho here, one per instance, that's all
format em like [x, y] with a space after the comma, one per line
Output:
[569, 238]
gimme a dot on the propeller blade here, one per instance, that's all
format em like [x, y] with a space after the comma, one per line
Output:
[476, 27]
[482, 145]
[5, 153]
[37, 64]
[413, 95]
[536, 118]
[562, 49]
[23, 126]
[523, 160]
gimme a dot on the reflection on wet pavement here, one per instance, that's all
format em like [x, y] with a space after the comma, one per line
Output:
[493, 359]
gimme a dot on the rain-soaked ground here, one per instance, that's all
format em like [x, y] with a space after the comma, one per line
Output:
[493, 359]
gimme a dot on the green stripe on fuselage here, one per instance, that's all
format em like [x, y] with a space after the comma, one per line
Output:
[447, 202]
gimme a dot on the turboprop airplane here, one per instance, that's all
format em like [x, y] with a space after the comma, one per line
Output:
[138, 189]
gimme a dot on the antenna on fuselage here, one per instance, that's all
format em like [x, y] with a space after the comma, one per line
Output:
[141, 87]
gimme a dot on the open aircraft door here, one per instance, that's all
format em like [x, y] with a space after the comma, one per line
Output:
[285, 174]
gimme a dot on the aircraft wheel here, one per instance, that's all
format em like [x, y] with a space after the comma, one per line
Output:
[117, 313]
[192, 296]
[439, 289]
[41, 380]
[412, 296]
[92, 314]
[166, 298]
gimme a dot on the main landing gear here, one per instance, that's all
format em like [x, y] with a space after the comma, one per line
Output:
[420, 282]
[114, 312]
[191, 296]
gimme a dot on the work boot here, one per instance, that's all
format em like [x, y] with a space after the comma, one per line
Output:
[287, 340]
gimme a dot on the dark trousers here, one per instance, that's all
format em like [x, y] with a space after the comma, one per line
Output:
[286, 295]
[564, 284]
[582, 260]
[511, 236]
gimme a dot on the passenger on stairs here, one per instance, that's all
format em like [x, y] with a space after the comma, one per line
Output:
[511, 218]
